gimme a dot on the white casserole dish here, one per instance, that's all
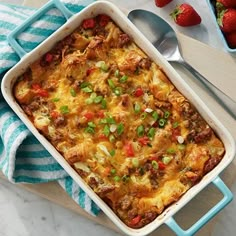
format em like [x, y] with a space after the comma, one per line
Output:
[121, 20]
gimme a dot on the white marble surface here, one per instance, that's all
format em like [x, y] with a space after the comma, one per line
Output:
[24, 214]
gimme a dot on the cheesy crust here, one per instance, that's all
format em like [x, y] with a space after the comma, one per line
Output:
[118, 120]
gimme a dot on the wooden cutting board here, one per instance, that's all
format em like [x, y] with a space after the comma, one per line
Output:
[213, 64]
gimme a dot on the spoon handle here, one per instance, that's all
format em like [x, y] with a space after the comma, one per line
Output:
[226, 102]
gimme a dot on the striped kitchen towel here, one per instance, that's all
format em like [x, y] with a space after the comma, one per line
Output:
[22, 158]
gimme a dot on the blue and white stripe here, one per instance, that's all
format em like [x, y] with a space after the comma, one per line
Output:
[22, 157]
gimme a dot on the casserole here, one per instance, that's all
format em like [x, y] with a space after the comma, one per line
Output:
[107, 8]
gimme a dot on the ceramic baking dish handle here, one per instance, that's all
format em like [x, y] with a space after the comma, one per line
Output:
[228, 196]
[42, 11]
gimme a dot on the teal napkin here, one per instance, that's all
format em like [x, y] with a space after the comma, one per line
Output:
[22, 158]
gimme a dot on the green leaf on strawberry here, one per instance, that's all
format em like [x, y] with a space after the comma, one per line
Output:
[227, 20]
[185, 15]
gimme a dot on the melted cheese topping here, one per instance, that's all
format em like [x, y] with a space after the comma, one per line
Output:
[118, 120]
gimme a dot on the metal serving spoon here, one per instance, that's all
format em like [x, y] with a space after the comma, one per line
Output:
[163, 37]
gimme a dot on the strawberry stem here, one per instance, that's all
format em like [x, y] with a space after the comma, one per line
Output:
[176, 12]
[220, 18]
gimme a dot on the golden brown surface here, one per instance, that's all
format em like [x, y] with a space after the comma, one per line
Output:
[117, 119]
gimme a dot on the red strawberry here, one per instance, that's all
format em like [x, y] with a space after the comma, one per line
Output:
[225, 4]
[227, 20]
[162, 3]
[185, 15]
[231, 39]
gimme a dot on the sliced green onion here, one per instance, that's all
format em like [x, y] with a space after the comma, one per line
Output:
[143, 115]
[111, 83]
[93, 95]
[140, 131]
[72, 92]
[104, 67]
[141, 171]
[113, 152]
[148, 110]
[124, 78]
[155, 165]
[84, 85]
[137, 107]
[171, 150]
[89, 130]
[166, 159]
[135, 162]
[64, 109]
[151, 133]
[56, 99]
[110, 120]
[87, 90]
[89, 101]
[120, 128]
[117, 73]
[118, 91]
[103, 121]
[166, 114]
[113, 128]
[116, 178]
[106, 130]
[98, 99]
[91, 98]
[162, 122]
[104, 104]
[155, 115]
[112, 138]
[125, 178]
[175, 124]
[181, 147]
[91, 124]
[113, 171]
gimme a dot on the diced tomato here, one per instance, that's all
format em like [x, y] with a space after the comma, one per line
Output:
[135, 220]
[36, 86]
[138, 92]
[107, 171]
[89, 115]
[100, 114]
[40, 91]
[90, 71]
[144, 140]
[153, 157]
[102, 137]
[161, 165]
[54, 114]
[175, 133]
[88, 23]
[48, 57]
[155, 125]
[129, 149]
[103, 20]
